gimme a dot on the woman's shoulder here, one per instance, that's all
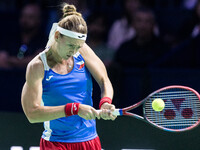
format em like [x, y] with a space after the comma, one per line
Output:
[35, 66]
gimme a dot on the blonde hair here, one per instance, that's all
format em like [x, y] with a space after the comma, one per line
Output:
[72, 20]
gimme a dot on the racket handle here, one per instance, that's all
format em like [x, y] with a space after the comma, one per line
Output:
[116, 112]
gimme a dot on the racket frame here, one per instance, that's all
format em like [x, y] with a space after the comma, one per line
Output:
[124, 111]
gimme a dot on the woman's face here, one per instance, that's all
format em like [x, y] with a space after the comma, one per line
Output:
[68, 46]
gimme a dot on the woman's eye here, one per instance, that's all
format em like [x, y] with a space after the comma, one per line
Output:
[74, 47]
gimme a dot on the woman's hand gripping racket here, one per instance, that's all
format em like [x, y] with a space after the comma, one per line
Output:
[181, 112]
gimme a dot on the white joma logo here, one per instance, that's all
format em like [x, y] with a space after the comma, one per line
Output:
[75, 108]
[49, 78]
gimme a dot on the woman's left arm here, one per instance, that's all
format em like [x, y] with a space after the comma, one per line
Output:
[98, 71]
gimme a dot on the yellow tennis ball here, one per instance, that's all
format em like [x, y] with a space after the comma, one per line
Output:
[158, 104]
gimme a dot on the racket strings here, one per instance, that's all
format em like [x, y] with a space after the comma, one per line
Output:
[181, 109]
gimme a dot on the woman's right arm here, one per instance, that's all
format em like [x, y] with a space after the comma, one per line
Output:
[32, 97]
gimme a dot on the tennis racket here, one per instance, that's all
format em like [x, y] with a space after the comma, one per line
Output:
[181, 112]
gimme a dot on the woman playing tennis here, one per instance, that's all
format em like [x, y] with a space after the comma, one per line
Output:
[58, 88]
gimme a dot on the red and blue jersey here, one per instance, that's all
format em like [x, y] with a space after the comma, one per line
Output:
[58, 89]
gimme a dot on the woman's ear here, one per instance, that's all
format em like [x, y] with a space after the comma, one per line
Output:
[56, 36]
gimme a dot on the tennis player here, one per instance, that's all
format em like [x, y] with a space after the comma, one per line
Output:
[58, 88]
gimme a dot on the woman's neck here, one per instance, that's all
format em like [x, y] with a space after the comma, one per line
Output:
[52, 57]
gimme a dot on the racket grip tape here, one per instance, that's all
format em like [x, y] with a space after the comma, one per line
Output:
[116, 112]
